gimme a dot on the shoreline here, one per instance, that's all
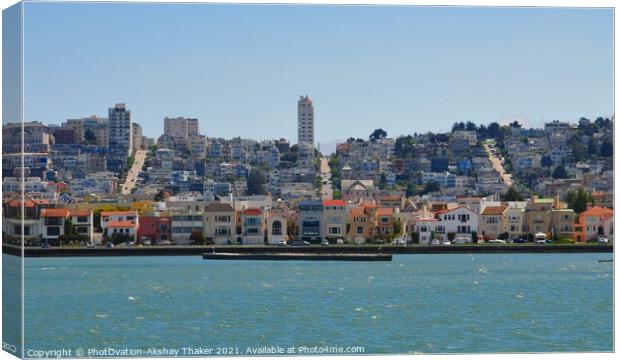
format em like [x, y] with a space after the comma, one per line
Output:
[343, 249]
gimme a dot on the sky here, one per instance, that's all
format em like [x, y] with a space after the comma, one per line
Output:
[240, 69]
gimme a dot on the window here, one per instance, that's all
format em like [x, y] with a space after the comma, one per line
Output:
[276, 228]
[82, 219]
[334, 230]
[222, 218]
[53, 231]
[360, 230]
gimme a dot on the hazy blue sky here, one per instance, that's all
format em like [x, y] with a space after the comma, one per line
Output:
[241, 69]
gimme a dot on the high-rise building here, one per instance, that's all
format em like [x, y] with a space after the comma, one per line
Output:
[305, 121]
[136, 136]
[119, 130]
[119, 122]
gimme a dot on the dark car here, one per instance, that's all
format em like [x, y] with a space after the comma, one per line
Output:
[519, 240]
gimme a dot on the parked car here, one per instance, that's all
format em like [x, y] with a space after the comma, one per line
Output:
[282, 243]
[340, 241]
[541, 241]
[435, 242]
[462, 240]
[497, 241]
[603, 240]
[519, 240]
[300, 243]
[446, 242]
[324, 242]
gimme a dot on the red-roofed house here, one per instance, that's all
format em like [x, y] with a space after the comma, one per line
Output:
[120, 222]
[53, 224]
[15, 225]
[252, 226]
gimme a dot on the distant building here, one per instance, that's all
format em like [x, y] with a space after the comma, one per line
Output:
[305, 121]
[37, 138]
[91, 130]
[120, 135]
[136, 136]
[180, 134]
[252, 226]
[310, 216]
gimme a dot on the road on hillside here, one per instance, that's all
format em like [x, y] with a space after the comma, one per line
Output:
[132, 175]
[497, 165]
[327, 190]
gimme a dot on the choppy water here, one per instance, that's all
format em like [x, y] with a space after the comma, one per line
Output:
[449, 303]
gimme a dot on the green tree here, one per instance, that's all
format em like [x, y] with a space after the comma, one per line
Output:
[378, 134]
[578, 149]
[197, 238]
[159, 196]
[256, 183]
[560, 172]
[411, 189]
[382, 182]
[512, 195]
[607, 148]
[592, 147]
[90, 137]
[545, 161]
[398, 227]
[578, 200]
[431, 186]
[68, 227]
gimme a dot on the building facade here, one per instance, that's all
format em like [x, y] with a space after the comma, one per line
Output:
[305, 121]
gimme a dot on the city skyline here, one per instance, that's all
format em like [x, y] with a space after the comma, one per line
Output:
[415, 64]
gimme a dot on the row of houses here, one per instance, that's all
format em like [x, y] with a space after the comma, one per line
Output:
[254, 221]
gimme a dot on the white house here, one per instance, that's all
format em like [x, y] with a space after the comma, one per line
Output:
[461, 221]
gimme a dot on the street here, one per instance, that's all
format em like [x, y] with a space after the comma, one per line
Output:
[132, 175]
[497, 165]
[327, 190]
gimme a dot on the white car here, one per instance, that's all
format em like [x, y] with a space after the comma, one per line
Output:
[541, 241]
[446, 242]
[282, 243]
[603, 240]
[497, 241]
[435, 242]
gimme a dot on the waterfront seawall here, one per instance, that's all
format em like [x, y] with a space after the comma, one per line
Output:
[345, 249]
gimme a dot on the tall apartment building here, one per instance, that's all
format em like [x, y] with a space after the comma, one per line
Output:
[305, 121]
[136, 136]
[120, 134]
